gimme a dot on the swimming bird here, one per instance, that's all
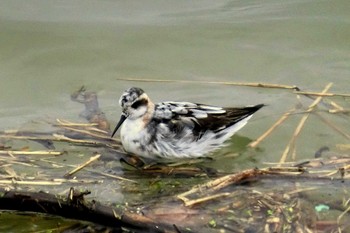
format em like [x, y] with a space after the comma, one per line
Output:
[176, 129]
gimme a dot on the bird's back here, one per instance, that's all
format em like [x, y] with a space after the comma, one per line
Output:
[182, 129]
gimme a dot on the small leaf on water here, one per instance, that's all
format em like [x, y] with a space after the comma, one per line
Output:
[269, 212]
[212, 223]
[321, 207]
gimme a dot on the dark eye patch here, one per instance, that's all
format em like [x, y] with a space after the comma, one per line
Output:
[139, 103]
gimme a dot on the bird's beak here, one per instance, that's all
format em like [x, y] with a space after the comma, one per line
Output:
[122, 119]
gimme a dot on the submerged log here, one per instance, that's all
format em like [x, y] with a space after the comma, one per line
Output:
[75, 207]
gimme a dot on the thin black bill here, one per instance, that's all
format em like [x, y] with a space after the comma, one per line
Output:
[122, 119]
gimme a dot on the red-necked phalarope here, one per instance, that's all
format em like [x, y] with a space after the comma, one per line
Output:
[176, 129]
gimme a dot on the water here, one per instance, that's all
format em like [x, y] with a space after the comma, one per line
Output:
[48, 49]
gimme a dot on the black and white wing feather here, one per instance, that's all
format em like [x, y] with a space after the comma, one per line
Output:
[201, 118]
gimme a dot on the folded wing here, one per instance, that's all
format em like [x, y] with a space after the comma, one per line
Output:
[199, 117]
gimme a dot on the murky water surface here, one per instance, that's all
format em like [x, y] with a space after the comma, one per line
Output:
[48, 49]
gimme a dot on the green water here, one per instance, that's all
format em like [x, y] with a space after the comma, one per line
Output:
[48, 49]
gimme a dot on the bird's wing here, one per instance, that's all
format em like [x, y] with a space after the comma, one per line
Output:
[173, 110]
[202, 117]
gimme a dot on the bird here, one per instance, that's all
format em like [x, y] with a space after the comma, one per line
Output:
[173, 130]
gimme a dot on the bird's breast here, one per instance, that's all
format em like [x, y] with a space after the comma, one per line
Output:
[132, 135]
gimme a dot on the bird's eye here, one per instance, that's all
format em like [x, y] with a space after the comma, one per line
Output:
[124, 100]
[139, 103]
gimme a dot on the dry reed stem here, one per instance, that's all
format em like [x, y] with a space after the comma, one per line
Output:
[86, 132]
[283, 170]
[300, 190]
[264, 85]
[9, 136]
[78, 168]
[10, 161]
[333, 126]
[343, 147]
[68, 123]
[321, 94]
[276, 163]
[341, 216]
[345, 168]
[87, 126]
[11, 155]
[222, 182]
[10, 171]
[203, 192]
[116, 177]
[26, 182]
[47, 182]
[39, 152]
[189, 202]
[271, 129]
[96, 172]
[299, 127]
[218, 184]
[200, 188]
[337, 108]
[62, 138]
[331, 173]
[346, 111]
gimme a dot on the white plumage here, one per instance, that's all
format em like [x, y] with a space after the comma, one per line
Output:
[176, 129]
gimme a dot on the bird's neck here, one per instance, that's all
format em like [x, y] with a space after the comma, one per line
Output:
[147, 117]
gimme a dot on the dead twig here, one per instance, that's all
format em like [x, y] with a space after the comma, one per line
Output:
[63, 138]
[28, 182]
[39, 152]
[264, 85]
[47, 182]
[78, 168]
[218, 184]
[72, 124]
[214, 188]
[89, 133]
[116, 177]
[291, 144]
[341, 216]
[321, 94]
[272, 128]
[189, 202]
[57, 164]
[343, 147]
